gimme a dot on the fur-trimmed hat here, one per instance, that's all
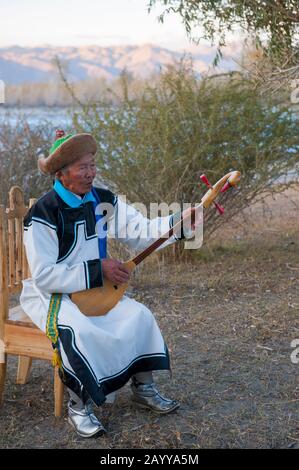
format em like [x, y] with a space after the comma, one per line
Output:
[65, 150]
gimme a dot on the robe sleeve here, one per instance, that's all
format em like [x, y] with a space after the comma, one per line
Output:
[41, 245]
[130, 227]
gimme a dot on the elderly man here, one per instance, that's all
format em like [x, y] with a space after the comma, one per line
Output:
[66, 254]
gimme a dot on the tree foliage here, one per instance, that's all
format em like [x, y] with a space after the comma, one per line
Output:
[277, 19]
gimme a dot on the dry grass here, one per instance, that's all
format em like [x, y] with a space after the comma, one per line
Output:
[228, 319]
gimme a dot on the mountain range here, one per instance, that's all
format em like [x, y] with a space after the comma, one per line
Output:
[36, 64]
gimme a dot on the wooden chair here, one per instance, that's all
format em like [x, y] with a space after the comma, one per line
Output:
[18, 335]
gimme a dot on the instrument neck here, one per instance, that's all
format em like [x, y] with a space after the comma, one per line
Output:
[150, 249]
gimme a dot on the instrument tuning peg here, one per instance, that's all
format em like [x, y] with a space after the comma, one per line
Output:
[219, 208]
[205, 180]
[226, 187]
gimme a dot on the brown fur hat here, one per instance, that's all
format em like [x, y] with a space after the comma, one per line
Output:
[66, 150]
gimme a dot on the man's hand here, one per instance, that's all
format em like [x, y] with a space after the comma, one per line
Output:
[115, 271]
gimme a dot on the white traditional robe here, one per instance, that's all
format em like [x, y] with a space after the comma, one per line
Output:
[99, 354]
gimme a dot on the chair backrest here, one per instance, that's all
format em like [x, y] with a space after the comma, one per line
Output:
[25, 340]
[13, 263]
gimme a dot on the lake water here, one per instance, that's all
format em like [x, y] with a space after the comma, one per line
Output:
[57, 117]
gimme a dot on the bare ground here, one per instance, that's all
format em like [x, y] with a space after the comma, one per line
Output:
[228, 318]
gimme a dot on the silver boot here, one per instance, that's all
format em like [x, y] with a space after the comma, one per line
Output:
[147, 396]
[82, 418]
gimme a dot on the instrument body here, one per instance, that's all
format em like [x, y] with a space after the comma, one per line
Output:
[100, 300]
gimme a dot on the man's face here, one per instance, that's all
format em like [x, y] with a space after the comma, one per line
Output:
[78, 176]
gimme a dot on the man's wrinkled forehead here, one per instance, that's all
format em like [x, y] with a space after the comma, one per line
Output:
[85, 160]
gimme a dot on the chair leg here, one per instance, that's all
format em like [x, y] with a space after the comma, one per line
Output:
[2, 379]
[58, 394]
[24, 366]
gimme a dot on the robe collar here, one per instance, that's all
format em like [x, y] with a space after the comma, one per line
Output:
[72, 199]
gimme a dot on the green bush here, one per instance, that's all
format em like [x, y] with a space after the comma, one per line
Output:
[20, 147]
[155, 147]
[155, 144]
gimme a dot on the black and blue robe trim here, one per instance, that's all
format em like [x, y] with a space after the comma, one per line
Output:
[85, 383]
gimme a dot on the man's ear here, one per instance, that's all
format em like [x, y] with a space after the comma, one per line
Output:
[59, 174]
[62, 173]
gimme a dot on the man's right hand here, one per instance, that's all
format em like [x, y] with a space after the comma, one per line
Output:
[115, 271]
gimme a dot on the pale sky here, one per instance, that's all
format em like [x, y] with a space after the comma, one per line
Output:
[86, 22]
